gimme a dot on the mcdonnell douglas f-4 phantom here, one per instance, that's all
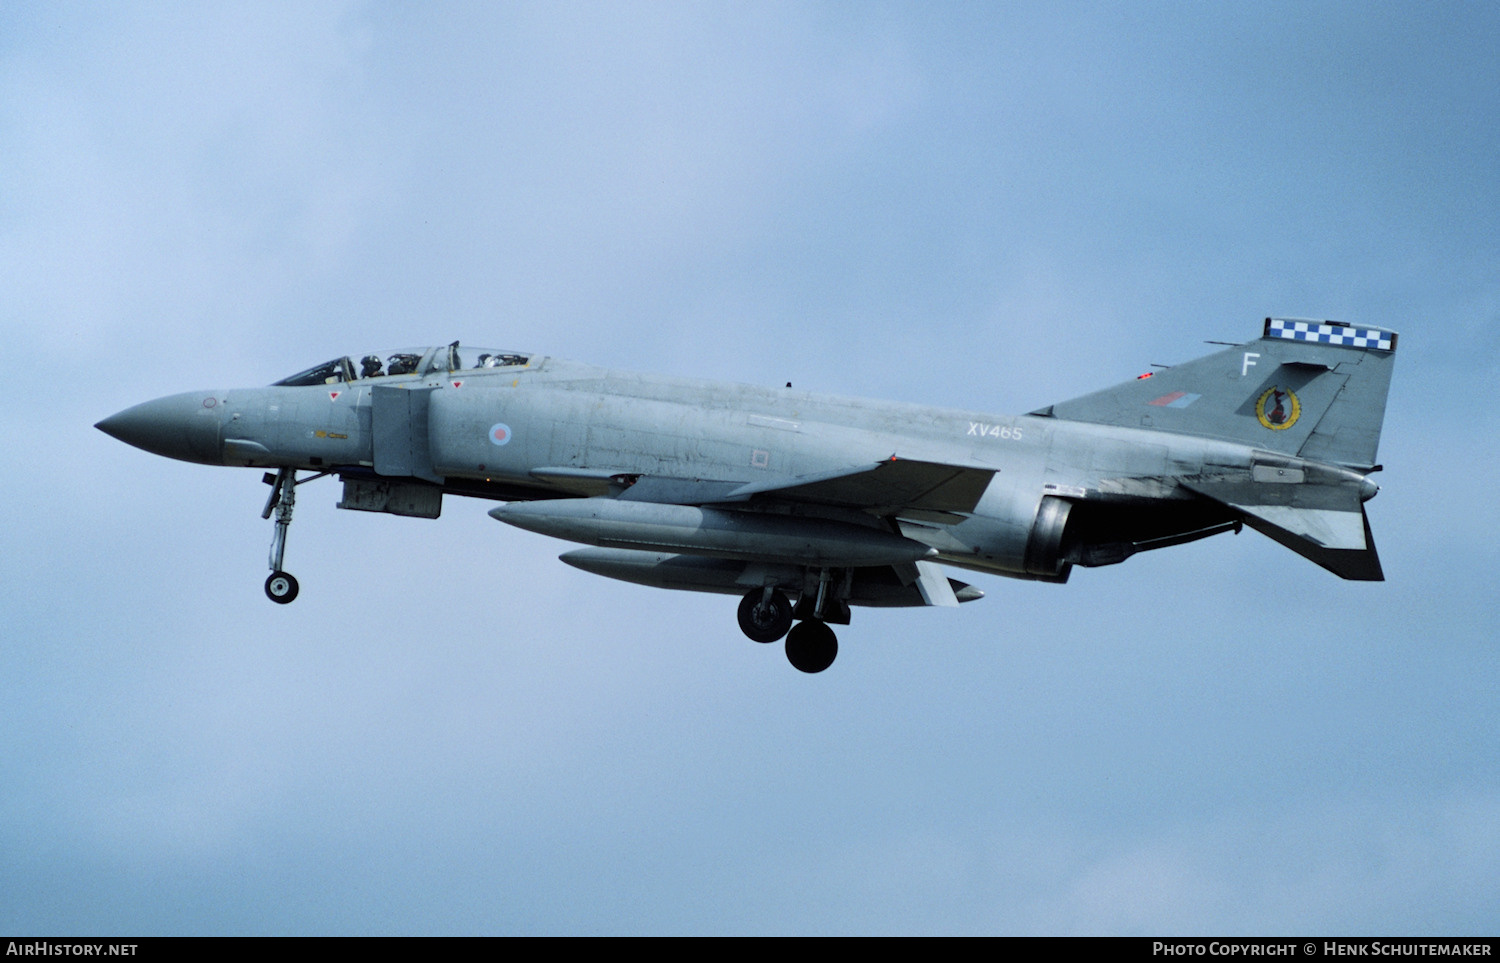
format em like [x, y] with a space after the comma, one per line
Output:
[779, 495]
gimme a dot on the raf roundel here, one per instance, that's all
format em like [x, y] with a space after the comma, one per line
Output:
[500, 434]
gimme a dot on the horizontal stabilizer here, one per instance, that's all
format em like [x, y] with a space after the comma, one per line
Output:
[1326, 527]
[1359, 565]
[1325, 524]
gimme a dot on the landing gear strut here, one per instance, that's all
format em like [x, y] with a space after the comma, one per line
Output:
[766, 615]
[281, 587]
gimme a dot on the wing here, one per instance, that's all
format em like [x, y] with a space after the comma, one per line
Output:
[891, 487]
[894, 486]
[729, 535]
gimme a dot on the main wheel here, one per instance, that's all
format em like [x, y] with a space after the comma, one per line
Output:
[811, 646]
[281, 587]
[765, 622]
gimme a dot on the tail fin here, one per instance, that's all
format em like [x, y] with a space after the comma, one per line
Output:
[1310, 397]
[1313, 389]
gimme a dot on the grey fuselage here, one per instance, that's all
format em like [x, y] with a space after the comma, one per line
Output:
[551, 429]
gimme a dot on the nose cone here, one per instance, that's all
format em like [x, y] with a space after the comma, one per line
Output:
[185, 427]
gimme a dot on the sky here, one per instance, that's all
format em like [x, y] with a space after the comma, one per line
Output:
[985, 206]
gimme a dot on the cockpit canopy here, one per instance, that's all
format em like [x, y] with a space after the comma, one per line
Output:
[407, 361]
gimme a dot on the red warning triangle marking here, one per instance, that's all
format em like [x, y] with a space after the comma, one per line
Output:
[458, 384]
[334, 395]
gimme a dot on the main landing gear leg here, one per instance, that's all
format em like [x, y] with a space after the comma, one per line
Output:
[280, 586]
[765, 614]
[811, 646]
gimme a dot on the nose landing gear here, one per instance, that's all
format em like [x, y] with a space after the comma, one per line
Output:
[281, 587]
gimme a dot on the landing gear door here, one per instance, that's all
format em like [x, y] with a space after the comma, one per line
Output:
[399, 432]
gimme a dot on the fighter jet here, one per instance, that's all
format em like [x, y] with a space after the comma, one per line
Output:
[804, 504]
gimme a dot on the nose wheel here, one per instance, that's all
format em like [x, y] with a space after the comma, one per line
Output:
[281, 587]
